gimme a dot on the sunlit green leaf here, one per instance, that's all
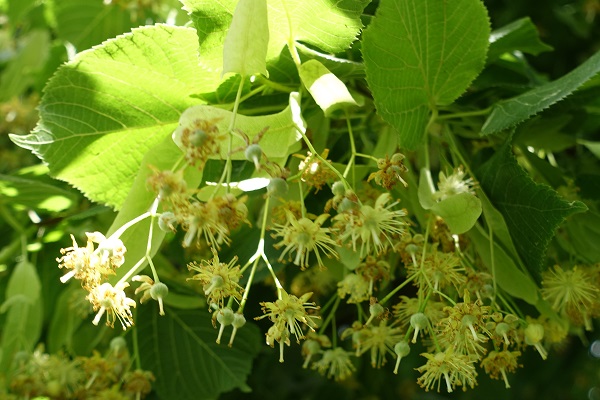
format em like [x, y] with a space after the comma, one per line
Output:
[332, 27]
[247, 40]
[328, 90]
[102, 111]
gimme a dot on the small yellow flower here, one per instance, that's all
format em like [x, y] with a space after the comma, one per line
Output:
[571, 292]
[498, 363]
[371, 228]
[356, 286]
[335, 363]
[452, 184]
[289, 311]
[305, 236]
[113, 302]
[219, 280]
[455, 369]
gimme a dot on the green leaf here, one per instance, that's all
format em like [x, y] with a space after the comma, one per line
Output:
[163, 156]
[276, 141]
[502, 267]
[227, 91]
[247, 40]
[593, 147]
[21, 71]
[511, 112]
[321, 23]
[581, 236]
[23, 305]
[86, 23]
[65, 320]
[420, 54]
[532, 211]
[328, 91]
[520, 35]
[104, 110]
[459, 211]
[184, 341]
[34, 194]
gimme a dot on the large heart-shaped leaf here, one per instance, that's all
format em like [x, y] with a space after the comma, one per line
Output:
[105, 109]
[420, 54]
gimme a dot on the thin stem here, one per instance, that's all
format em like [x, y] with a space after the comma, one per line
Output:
[302, 207]
[256, 257]
[352, 147]
[476, 113]
[228, 167]
[396, 289]
[4, 213]
[134, 221]
[330, 315]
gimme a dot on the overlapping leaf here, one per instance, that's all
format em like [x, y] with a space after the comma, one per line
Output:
[332, 27]
[420, 54]
[532, 211]
[520, 35]
[511, 112]
[102, 111]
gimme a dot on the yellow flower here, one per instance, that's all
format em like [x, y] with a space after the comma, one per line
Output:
[371, 228]
[336, 364]
[453, 184]
[498, 363]
[304, 236]
[455, 369]
[113, 302]
[219, 280]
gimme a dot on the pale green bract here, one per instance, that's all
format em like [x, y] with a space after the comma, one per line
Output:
[247, 40]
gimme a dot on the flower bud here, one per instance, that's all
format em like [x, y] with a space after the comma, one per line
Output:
[418, 321]
[277, 186]
[198, 137]
[338, 188]
[167, 222]
[254, 153]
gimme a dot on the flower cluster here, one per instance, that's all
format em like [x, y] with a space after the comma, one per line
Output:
[92, 266]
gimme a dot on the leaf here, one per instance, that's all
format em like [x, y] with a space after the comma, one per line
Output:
[520, 35]
[593, 147]
[163, 156]
[227, 91]
[420, 54]
[503, 269]
[247, 40]
[279, 137]
[328, 91]
[332, 27]
[21, 71]
[105, 109]
[511, 112]
[459, 211]
[532, 211]
[23, 305]
[34, 194]
[184, 342]
[86, 23]
[64, 320]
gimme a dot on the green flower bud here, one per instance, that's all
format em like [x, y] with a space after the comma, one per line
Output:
[277, 186]
[167, 222]
[159, 291]
[198, 137]
[225, 316]
[338, 188]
